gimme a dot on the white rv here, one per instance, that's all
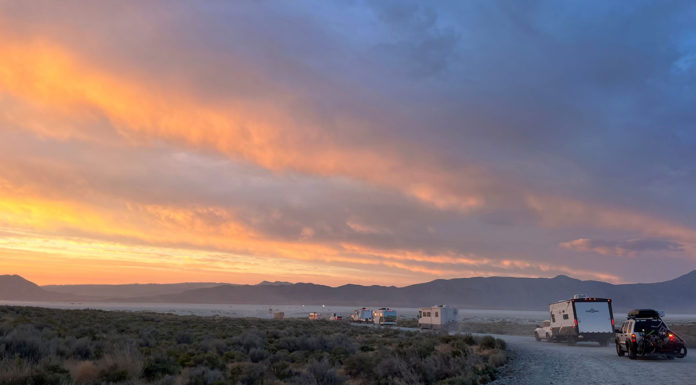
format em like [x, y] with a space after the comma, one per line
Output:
[384, 316]
[361, 315]
[582, 319]
[437, 317]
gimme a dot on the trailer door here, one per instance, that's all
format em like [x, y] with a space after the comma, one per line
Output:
[593, 317]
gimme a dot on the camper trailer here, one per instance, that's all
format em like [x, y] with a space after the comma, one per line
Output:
[336, 317]
[384, 316]
[437, 317]
[278, 315]
[361, 315]
[314, 316]
[582, 319]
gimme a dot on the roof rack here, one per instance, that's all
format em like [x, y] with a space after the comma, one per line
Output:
[644, 313]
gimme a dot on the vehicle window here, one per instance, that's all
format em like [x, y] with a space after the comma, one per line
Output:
[547, 323]
[646, 325]
[565, 316]
[553, 318]
[420, 314]
[436, 314]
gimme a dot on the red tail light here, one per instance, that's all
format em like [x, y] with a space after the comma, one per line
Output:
[633, 338]
[671, 336]
[612, 322]
[576, 322]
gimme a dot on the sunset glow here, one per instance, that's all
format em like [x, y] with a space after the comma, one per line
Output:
[247, 142]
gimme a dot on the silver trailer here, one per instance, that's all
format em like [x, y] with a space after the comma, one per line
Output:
[437, 317]
[582, 319]
[361, 315]
[384, 316]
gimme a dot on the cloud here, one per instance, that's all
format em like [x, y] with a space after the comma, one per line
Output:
[374, 139]
[629, 247]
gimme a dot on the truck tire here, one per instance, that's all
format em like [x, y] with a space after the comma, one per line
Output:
[536, 336]
[682, 352]
[619, 351]
[548, 338]
[632, 351]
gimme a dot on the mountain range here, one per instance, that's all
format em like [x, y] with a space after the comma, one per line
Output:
[675, 296]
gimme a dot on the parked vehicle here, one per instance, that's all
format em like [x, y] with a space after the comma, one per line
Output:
[384, 316]
[278, 315]
[335, 317]
[582, 319]
[645, 333]
[362, 315]
[543, 331]
[314, 316]
[437, 317]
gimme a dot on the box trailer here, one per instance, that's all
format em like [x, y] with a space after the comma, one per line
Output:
[582, 319]
[437, 317]
[384, 316]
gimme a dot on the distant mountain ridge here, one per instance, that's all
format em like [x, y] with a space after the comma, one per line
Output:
[128, 290]
[675, 296]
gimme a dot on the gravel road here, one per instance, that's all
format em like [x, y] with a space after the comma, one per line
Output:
[586, 363]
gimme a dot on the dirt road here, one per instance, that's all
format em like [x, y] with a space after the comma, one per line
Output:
[549, 363]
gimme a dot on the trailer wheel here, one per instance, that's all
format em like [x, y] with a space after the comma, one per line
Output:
[682, 352]
[619, 351]
[536, 336]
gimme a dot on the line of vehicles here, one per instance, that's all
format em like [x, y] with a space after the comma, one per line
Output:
[433, 317]
[592, 319]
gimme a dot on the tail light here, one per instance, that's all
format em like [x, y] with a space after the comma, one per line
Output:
[576, 322]
[633, 338]
[671, 336]
[612, 322]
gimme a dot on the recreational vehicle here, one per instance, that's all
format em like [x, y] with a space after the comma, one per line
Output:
[384, 316]
[437, 317]
[278, 315]
[582, 319]
[336, 317]
[314, 316]
[362, 315]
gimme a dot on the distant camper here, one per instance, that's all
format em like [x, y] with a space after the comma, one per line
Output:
[384, 316]
[437, 317]
[362, 315]
[336, 317]
[278, 315]
[315, 316]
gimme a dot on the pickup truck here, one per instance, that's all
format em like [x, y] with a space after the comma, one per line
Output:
[645, 333]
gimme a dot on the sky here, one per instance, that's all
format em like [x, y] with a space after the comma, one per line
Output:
[368, 142]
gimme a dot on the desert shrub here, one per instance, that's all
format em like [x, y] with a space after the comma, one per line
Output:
[487, 342]
[324, 373]
[99, 347]
[500, 344]
[204, 376]
[158, 367]
[497, 358]
[469, 339]
[257, 355]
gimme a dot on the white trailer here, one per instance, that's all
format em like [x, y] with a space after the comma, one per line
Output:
[582, 319]
[361, 315]
[384, 316]
[437, 317]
